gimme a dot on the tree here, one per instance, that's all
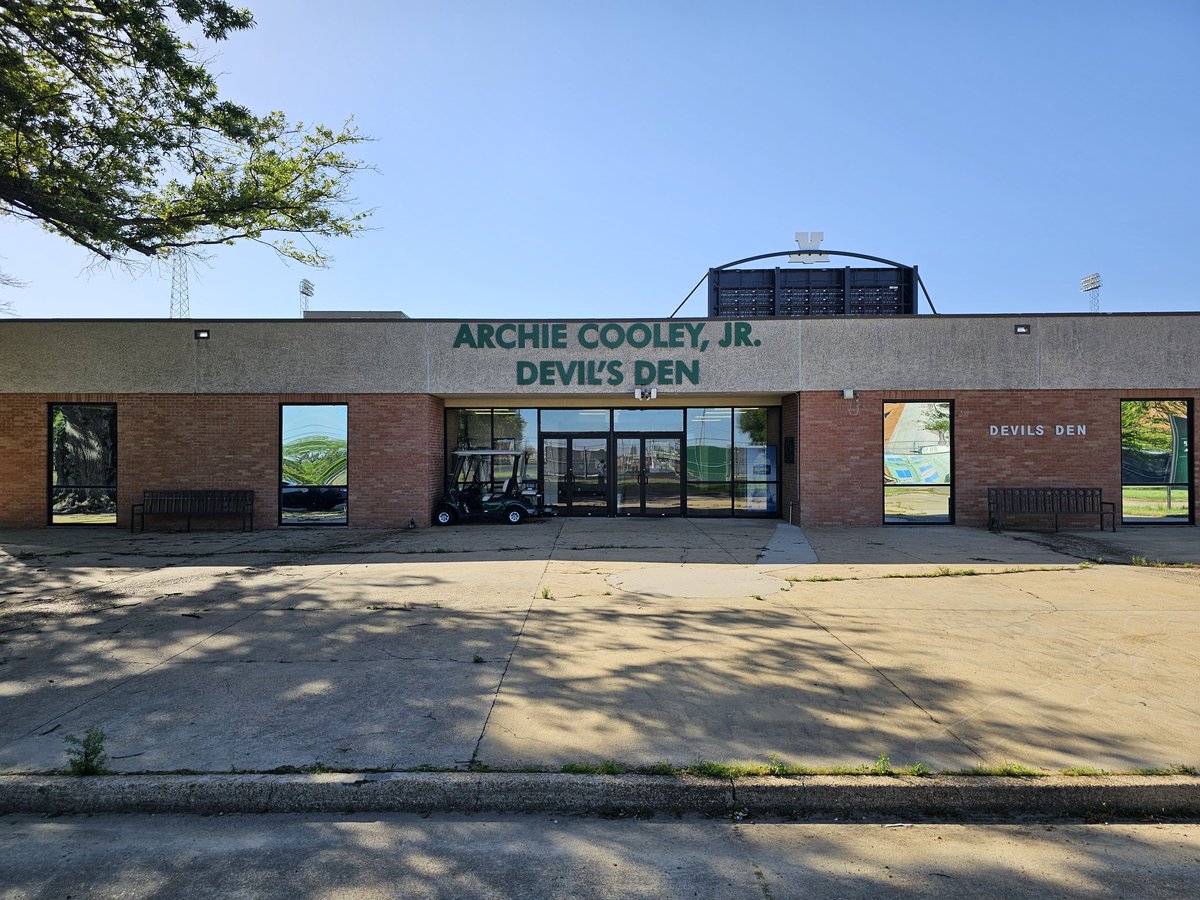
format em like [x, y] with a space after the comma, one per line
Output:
[112, 134]
[936, 418]
[315, 459]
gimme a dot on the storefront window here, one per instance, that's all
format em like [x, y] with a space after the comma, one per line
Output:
[669, 420]
[709, 443]
[516, 429]
[709, 499]
[83, 464]
[917, 444]
[755, 459]
[574, 420]
[1156, 470]
[313, 465]
[730, 456]
[471, 429]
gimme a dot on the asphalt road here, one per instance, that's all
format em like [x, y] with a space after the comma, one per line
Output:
[534, 857]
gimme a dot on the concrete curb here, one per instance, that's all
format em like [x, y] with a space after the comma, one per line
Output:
[840, 796]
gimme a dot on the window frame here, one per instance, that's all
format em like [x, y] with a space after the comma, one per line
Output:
[279, 467]
[1190, 518]
[116, 487]
[932, 520]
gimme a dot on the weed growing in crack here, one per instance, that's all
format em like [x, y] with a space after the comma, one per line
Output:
[87, 756]
[546, 595]
[939, 572]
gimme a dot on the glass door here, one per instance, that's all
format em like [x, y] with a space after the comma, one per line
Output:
[575, 474]
[649, 477]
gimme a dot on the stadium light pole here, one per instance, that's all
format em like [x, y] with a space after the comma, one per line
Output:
[1090, 285]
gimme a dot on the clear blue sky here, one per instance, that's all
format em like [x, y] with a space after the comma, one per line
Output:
[556, 159]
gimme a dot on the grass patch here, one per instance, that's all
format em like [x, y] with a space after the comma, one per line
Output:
[1178, 769]
[708, 768]
[1006, 769]
[546, 595]
[1159, 564]
[658, 768]
[882, 765]
[1086, 770]
[476, 659]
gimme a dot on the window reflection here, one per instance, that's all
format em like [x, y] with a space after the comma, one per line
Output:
[917, 440]
[709, 439]
[731, 455]
[314, 465]
[83, 464]
[1156, 470]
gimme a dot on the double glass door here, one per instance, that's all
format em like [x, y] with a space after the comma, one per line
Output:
[649, 476]
[634, 475]
[575, 474]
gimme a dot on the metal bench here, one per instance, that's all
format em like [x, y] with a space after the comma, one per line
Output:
[194, 503]
[1054, 501]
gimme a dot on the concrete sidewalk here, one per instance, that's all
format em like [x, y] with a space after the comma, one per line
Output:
[576, 641]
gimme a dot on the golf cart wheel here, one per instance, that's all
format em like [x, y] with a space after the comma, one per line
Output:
[514, 516]
[443, 517]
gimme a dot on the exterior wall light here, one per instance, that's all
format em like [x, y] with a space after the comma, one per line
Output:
[1020, 329]
[200, 334]
[645, 393]
[849, 394]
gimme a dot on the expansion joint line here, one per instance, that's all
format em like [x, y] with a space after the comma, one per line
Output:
[714, 541]
[903, 693]
[513, 651]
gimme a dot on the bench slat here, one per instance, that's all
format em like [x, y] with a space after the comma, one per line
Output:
[1054, 501]
[199, 502]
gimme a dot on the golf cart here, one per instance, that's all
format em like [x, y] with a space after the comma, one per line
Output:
[487, 484]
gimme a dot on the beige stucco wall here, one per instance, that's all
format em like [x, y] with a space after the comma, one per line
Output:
[1153, 351]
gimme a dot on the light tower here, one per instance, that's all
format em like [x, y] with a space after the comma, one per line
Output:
[1090, 285]
[180, 307]
[306, 292]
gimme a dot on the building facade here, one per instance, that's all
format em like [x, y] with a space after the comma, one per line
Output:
[839, 421]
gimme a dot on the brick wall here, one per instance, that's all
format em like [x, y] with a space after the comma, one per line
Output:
[841, 445]
[397, 450]
[840, 459]
[232, 441]
[396, 458]
[23, 436]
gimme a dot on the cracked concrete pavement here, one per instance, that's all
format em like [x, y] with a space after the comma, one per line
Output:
[577, 640]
